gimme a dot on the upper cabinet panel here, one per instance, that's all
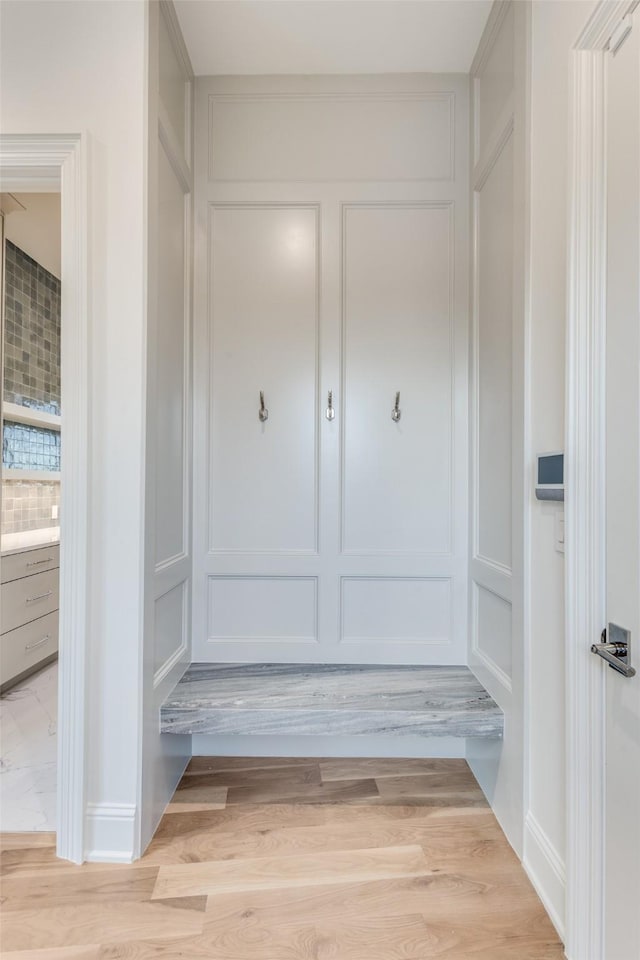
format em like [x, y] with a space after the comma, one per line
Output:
[263, 284]
[397, 289]
[495, 82]
[324, 137]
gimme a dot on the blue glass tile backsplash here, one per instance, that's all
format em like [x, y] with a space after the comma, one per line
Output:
[30, 448]
[31, 334]
[31, 379]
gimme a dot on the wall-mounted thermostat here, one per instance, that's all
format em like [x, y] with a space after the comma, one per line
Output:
[550, 476]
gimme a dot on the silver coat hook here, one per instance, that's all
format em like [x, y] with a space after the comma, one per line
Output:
[396, 413]
[330, 413]
[263, 413]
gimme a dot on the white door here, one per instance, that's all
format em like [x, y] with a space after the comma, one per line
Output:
[622, 788]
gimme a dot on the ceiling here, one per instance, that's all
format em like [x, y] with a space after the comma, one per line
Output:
[331, 36]
[32, 222]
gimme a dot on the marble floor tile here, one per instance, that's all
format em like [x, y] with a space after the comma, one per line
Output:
[28, 753]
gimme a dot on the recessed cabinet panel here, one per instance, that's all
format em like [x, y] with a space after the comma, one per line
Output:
[170, 631]
[339, 137]
[170, 366]
[493, 629]
[263, 296]
[396, 610]
[263, 609]
[494, 345]
[397, 338]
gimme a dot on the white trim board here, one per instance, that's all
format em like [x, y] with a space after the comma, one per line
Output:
[34, 163]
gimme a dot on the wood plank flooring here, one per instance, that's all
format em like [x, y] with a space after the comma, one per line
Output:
[301, 859]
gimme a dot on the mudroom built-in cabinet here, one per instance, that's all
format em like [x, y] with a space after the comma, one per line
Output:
[331, 369]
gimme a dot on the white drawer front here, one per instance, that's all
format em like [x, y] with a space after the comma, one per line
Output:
[31, 561]
[29, 598]
[24, 648]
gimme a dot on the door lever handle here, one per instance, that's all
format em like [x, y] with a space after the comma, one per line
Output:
[396, 413]
[616, 652]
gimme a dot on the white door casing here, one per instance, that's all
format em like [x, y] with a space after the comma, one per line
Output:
[344, 539]
[60, 163]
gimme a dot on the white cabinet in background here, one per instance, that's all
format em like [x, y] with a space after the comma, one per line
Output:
[29, 625]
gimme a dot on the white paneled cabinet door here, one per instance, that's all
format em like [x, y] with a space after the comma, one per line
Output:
[264, 338]
[263, 522]
[397, 430]
[397, 340]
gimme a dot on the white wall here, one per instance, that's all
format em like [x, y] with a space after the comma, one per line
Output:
[167, 628]
[36, 228]
[68, 68]
[498, 400]
[554, 28]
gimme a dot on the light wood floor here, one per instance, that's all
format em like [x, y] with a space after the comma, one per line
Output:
[290, 860]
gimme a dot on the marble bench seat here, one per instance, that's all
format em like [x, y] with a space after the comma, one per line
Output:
[317, 699]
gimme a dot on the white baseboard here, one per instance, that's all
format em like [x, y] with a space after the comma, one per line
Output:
[111, 832]
[546, 870]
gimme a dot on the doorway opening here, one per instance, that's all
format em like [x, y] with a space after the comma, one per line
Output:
[31, 452]
[30, 167]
